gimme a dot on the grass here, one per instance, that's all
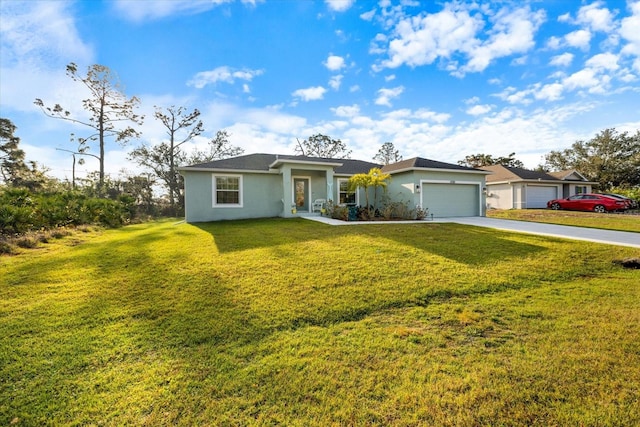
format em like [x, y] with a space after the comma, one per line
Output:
[290, 322]
[608, 221]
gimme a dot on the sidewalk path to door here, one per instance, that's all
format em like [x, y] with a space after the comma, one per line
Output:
[610, 237]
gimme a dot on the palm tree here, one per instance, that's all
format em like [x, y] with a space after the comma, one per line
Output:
[374, 178]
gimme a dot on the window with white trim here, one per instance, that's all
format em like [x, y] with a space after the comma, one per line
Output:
[227, 190]
[580, 189]
[344, 195]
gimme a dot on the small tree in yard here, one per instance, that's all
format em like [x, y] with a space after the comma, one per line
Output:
[108, 108]
[374, 178]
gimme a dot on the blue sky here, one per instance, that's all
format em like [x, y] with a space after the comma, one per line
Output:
[440, 80]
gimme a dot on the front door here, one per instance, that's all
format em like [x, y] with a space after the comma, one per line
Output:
[301, 193]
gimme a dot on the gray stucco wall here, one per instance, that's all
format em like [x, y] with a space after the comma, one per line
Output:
[403, 185]
[261, 197]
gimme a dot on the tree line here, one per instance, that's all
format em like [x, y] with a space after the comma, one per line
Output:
[610, 158]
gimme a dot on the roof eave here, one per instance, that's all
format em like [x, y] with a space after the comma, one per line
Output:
[414, 168]
[279, 162]
[188, 169]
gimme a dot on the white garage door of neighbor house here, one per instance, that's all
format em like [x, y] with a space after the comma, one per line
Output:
[539, 195]
[449, 200]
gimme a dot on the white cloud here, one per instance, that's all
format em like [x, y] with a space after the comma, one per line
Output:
[37, 41]
[389, 78]
[550, 92]
[478, 110]
[629, 32]
[554, 42]
[138, 11]
[310, 94]
[420, 40]
[368, 16]
[346, 110]
[456, 31]
[39, 33]
[339, 5]
[595, 17]
[335, 81]
[386, 95]
[513, 32]
[604, 61]
[566, 17]
[354, 88]
[222, 74]
[334, 63]
[563, 60]
[579, 39]
[585, 78]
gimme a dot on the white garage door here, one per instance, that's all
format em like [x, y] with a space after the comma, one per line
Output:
[449, 200]
[539, 195]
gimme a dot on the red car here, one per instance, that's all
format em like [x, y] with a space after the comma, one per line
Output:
[588, 202]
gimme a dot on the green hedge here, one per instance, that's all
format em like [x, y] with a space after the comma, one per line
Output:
[22, 210]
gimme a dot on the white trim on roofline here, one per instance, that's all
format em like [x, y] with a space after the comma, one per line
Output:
[215, 170]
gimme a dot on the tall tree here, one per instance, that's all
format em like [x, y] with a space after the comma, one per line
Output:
[219, 148]
[11, 156]
[164, 159]
[108, 109]
[323, 146]
[479, 160]
[610, 158]
[15, 171]
[387, 154]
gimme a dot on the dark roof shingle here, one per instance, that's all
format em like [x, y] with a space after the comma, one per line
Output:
[261, 162]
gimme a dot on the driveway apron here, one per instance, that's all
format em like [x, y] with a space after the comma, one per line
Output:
[611, 237]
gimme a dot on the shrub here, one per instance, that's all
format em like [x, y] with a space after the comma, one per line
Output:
[336, 212]
[421, 213]
[22, 211]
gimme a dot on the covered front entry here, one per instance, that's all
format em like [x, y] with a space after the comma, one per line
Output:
[451, 199]
[301, 193]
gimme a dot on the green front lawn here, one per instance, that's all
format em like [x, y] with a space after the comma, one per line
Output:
[291, 322]
[608, 221]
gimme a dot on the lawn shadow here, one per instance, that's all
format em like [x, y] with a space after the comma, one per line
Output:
[241, 235]
[461, 243]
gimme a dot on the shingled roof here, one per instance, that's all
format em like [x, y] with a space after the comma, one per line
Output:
[421, 163]
[261, 163]
[505, 173]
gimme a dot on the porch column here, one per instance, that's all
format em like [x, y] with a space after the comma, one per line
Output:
[287, 199]
[329, 184]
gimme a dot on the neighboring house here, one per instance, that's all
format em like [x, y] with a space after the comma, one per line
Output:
[270, 185]
[517, 188]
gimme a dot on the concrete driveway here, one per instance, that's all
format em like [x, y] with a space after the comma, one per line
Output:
[610, 237]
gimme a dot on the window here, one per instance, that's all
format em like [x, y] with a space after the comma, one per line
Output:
[344, 195]
[581, 189]
[227, 190]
